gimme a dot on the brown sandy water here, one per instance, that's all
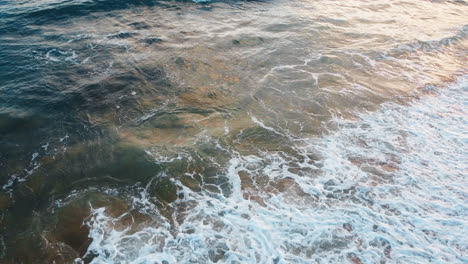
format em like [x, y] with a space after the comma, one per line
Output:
[130, 116]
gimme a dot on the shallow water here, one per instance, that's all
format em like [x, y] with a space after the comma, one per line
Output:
[233, 132]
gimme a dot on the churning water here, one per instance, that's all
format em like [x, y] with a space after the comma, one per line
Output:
[276, 131]
[388, 187]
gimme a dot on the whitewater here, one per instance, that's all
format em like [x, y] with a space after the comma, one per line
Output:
[390, 187]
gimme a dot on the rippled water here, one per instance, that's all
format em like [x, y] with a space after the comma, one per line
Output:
[276, 131]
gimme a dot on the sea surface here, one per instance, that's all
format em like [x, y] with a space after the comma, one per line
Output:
[275, 131]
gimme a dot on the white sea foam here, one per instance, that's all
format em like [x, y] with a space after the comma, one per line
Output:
[390, 187]
[56, 55]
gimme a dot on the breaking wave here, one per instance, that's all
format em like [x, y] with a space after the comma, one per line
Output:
[387, 187]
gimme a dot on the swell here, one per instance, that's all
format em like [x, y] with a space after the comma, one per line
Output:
[430, 45]
[65, 9]
[18, 18]
[72, 8]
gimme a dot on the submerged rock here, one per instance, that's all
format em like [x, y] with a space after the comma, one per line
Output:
[164, 190]
[68, 224]
[151, 41]
[70, 227]
[5, 201]
[191, 183]
[106, 165]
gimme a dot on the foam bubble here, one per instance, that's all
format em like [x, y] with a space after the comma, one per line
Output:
[390, 187]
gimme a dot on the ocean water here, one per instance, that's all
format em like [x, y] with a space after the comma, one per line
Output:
[389, 187]
[277, 131]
